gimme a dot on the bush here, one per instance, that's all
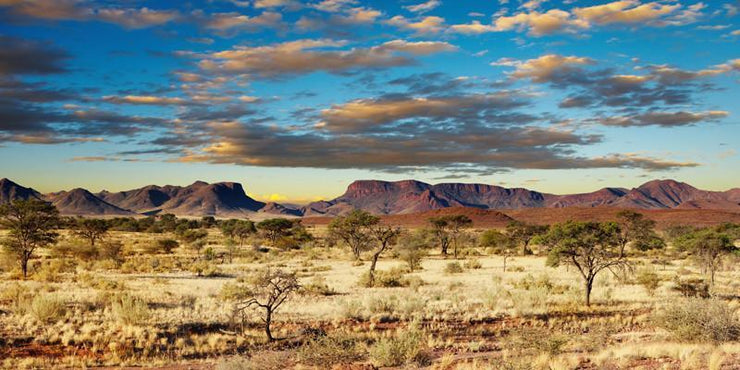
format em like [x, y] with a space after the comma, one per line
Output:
[692, 288]
[234, 292]
[406, 348]
[130, 310]
[47, 309]
[649, 280]
[473, 264]
[318, 287]
[162, 246]
[326, 351]
[699, 320]
[392, 278]
[453, 268]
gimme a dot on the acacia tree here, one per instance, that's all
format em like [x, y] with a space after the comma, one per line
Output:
[385, 236]
[91, 229]
[591, 247]
[638, 232]
[275, 228]
[448, 229]
[354, 229]
[31, 224]
[707, 247]
[194, 238]
[269, 290]
[501, 244]
[522, 234]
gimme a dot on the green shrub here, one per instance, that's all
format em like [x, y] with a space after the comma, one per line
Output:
[699, 320]
[453, 268]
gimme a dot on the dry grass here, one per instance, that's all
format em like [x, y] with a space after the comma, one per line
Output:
[155, 310]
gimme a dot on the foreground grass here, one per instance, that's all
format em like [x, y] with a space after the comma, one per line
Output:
[155, 310]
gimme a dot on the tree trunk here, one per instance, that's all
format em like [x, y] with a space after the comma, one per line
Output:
[444, 248]
[372, 268]
[505, 257]
[589, 287]
[268, 321]
[24, 267]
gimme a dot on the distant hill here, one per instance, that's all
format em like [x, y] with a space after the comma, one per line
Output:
[407, 197]
[82, 202]
[225, 199]
[10, 191]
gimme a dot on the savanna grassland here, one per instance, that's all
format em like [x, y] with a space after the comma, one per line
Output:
[184, 297]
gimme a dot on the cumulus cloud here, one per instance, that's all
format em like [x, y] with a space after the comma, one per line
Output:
[425, 25]
[544, 68]
[307, 56]
[364, 114]
[423, 7]
[232, 22]
[623, 12]
[475, 148]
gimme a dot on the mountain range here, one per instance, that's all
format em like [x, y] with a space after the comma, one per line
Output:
[228, 199]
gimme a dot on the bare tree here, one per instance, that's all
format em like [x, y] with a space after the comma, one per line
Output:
[32, 224]
[269, 290]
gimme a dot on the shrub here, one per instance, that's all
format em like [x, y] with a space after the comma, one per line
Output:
[47, 308]
[692, 288]
[406, 348]
[699, 320]
[130, 310]
[392, 278]
[162, 246]
[649, 280]
[234, 292]
[473, 264]
[318, 286]
[326, 351]
[453, 268]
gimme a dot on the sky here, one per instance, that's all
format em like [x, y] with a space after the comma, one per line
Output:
[296, 99]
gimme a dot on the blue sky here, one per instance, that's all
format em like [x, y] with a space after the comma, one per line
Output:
[296, 99]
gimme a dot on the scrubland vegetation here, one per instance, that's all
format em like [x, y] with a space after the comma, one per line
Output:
[232, 294]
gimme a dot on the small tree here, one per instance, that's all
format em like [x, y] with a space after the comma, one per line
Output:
[91, 229]
[385, 237]
[448, 230]
[638, 232]
[32, 224]
[354, 229]
[269, 290]
[707, 247]
[501, 244]
[591, 247]
[522, 234]
[275, 228]
[412, 248]
[195, 239]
